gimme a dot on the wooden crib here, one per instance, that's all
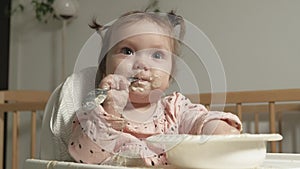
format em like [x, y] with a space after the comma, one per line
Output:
[17, 102]
[275, 102]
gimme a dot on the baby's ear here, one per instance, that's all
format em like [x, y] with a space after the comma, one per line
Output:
[171, 79]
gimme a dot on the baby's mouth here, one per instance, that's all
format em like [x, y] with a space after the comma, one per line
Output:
[140, 84]
[141, 80]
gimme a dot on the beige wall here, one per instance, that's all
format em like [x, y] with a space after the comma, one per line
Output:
[257, 40]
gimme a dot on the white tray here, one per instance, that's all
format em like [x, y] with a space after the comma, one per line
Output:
[281, 161]
[45, 164]
[272, 161]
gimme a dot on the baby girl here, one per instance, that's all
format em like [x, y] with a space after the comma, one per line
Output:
[138, 52]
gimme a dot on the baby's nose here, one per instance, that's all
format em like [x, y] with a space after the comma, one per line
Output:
[141, 64]
[142, 60]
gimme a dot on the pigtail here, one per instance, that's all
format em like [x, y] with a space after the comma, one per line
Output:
[174, 19]
[177, 20]
[95, 25]
[98, 27]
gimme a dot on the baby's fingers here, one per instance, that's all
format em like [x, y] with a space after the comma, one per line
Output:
[106, 83]
[116, 82]
[121, 83]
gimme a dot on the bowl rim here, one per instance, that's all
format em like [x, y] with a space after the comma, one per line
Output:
[187, 138]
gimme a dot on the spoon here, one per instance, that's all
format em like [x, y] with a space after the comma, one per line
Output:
[98, 96]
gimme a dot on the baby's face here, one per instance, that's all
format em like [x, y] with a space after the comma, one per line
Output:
[147, 57]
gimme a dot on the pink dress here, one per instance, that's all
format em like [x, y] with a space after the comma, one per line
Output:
[94, 142]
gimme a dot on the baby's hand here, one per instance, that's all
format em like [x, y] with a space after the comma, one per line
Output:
[219, 127]
[117, 96]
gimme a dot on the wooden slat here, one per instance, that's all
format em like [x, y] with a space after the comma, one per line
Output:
[15, 140]
[1, 138]
[247, 96]
[1, 133]
[280, 130]
[272, 123]
[33, 134]
[264, 96]
[264, 108]
[24, 106]
[256, 122]
[239, 110]
[25, 96]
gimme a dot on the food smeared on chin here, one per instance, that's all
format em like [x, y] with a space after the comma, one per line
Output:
[137, 88]
[156, 84]
[141, 83]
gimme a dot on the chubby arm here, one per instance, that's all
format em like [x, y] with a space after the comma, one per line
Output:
[217, 123]
[220, 127]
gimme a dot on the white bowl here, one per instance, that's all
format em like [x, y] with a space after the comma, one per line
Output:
[243, 151]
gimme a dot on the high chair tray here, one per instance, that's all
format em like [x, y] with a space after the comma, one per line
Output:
[281, 161]
[272, 161]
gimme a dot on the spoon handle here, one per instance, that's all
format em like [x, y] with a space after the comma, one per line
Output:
[98, 96]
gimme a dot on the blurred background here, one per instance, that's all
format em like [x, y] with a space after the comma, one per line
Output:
[258, 42]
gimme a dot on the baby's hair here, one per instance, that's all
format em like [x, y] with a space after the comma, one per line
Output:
[168, 21]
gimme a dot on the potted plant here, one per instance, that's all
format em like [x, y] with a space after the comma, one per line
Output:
[44, 9]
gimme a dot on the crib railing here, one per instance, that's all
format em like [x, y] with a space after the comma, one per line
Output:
[17, 102]
[275, 102]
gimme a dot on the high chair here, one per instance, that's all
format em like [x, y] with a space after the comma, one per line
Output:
[17, 102]
[275, 102]
[60, 112]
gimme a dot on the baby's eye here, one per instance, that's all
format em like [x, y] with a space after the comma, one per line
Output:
[126, 51]
[157, 55]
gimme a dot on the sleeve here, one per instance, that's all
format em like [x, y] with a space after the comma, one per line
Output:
[93, 141]
[192, 117]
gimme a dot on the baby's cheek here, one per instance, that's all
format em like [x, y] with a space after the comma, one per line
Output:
[156, 83]
[160, 80]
